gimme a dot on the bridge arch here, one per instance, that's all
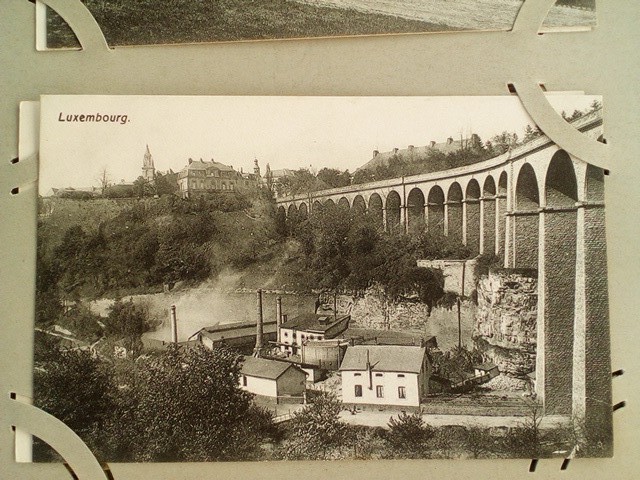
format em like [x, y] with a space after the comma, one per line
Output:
[454, 212]
[415, 209]
[359, 206]
[501, 209]
[292, 218]
[317, 207]
[435, 211]
[376, 208]
[558, 271]
[344, 203]
[393, 205]
[303, 213]
[472, 216]
[328, 204]
[489, 216]
[524, 235]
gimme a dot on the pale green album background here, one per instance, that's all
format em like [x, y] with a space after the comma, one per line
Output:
[603, 61]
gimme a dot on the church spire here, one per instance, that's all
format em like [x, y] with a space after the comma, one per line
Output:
[148, 169]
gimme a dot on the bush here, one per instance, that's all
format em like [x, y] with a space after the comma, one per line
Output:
[408, 435]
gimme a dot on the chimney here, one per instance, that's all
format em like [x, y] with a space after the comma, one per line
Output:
[432, 143]
[368, 367]
[395, 150]
[278, 317]
[174, 325]
[190, 161]
[375, 153]
[259, 329]
[449, 140]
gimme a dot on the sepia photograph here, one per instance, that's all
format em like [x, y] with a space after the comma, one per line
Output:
[145, 22]
[248, 278]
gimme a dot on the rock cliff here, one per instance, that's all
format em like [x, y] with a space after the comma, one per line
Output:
[505, 321]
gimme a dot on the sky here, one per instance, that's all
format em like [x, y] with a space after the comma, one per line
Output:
[286, 132]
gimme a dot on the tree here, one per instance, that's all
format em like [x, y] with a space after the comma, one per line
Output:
[334, 178]
[128, 321]
[104, 178]
[316, 430]
[408, 435]
[185, 404]
[77, 389]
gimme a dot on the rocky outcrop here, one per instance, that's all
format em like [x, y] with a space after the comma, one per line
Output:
[505, 322]
[372, 310]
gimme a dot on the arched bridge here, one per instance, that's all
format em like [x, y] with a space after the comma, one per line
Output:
[536, 207]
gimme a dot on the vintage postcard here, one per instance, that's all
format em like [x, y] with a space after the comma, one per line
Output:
[285, 278]
[187, 21]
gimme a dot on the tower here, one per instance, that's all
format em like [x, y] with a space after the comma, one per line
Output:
[256, 168]
[148, 170]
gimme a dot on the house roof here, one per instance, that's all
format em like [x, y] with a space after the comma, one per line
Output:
[485, 366]
[265, 368]
[384, 358]
[202, 165]
[383, 158]
[314, 322]
[234, 330]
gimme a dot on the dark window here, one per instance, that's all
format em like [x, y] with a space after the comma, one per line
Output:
[401, 375]
[402, 393]
[244, 381]
[379, 391]
[286, 334]
[357, 374]
[378, 374]
[358, 390]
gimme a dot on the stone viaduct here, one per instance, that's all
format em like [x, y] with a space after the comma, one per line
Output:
[536, 207]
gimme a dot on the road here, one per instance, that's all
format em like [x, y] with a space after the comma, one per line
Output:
[381, 419]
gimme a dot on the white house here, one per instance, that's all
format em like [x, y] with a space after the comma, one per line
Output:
[385, 375]
[310, 327]
[272, 378]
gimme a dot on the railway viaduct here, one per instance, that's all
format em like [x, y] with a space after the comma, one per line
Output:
[536, 207]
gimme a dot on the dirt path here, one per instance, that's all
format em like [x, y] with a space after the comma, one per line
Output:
[381, 419]
[465, 14]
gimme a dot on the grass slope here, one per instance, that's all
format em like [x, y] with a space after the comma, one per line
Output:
[186, 21]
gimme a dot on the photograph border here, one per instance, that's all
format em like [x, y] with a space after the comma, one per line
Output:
[612, 43]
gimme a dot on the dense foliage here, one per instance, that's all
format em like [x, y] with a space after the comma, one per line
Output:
[178, 405]
[76, 388]
[146, 244]
[340, 249]
[316, 430]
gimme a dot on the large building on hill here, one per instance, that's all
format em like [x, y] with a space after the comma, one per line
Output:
[199, 178]
[380, 159]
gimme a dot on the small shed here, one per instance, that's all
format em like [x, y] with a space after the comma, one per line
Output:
[283, 381]
[487, 369]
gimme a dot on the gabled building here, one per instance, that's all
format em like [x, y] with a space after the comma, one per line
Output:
[198, 178]
[239, 335]
[385, 375]
[273, 378]
[309, 327]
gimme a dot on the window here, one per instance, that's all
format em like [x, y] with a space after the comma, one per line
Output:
[378, 374]
[358, 390]
[379, 391]
[286, 334]
[401, 375]
[357, 374]
[244, 380]
[402, 393]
